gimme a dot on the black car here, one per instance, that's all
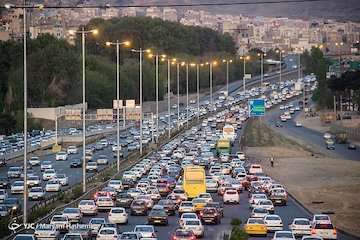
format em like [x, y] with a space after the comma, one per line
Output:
[352, 146]
[210, 215]
[4, 182]
[128, 183]
[158, 216]
[76, 163]
[2, 161]
[13, 205]
[123, 199]
[278, 124]
[219, 207]
[169, 206]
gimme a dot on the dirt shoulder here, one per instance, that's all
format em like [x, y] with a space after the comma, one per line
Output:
[333, 184]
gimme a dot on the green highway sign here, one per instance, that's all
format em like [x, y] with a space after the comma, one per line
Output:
[256, 107]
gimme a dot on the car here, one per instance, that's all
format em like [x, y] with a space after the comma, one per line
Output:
[195, 226]
[116, 184]
[330, 146]
[3, 195]
[46, 164]
[76, 163]
[311, 238]
[219, 207]
[145, 231]
[34, 161]
[266, 204]
[186, 216]
[91, 167]
[351, 146]
[17, 187]
[46, 231]
[24, 237]
[130, 235]
[327, 135]
[88, 207]
[273, 222]
[283, 235]
[323, 229]
[157, 215]
[255, 226]
[298, 124]
[4, 182]
[72, 150]
[74, 214]
[107, 233]
[105, 203]
[168, 205]
[206, 196]
[183, 234]
[61, 222]
[73, 236]
[62, 178]
[12, 204]
[102, 160]
[123, 199]
[36, 193]
[186, 206]
[259, 212]
[210, 215]
[96, 224]
[14, 172]
[33, 180]
[231, 196]
[278, 124]
[255, 169]
[198, 203]
[49, 174]
[53, 185]
[321, 218]
[61, 156]
[138, 207]
[300, 226]
[118, 215]
[4, 211]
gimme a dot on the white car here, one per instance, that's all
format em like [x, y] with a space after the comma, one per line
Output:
[88, 207]
[46, 231]
[327, 135]
[45, 165]
[241, 155]
[324, 230]
[53, 185]
[104, 203]
[107, 233]
[259, 213]
[36, 193]
[118, 215]
[60, 221]
[17, 187]
[33, 181]
[117, 184]
[211, 185]
[206, 196]
[321, 218]
[102, 160]
[255, 169]
[61, 156]
[3, 195]
[63, 179]
[283, 235]
[194, 225]
[95, 224]
[72, 150]
[145, 231]
[49, 174]
[74, 214]
[91, 167]
[34, 161]
[273, 222]
[231, 196]
[255, 198]
[298, 124]
[266, 204]
[187, 216]
[300, 226]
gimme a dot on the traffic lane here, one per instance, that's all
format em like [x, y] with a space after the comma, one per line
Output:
[311, 136]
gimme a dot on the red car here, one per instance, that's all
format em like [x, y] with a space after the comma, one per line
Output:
[183, 235]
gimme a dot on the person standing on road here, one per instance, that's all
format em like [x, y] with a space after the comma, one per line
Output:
[272, 161]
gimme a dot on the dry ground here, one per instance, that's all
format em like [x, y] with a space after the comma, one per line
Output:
[334, 182]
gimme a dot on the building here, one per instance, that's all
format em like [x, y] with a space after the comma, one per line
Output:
[170, 14]
[153, 12]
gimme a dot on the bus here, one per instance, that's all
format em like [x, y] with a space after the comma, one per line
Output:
[229, 132]
[223, 145]
[194, 181]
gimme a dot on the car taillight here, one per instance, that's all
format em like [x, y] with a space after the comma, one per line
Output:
[192, 238]
[313, 231]
[174, 238]
[334, 231]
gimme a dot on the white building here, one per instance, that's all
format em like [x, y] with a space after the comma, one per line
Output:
[170, 14]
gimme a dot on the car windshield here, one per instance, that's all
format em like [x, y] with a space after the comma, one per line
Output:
[71, 210]
[97, 221]
[129, 236]
[255, 221]
[72, 237]
[284, 235]
[144, 229]
[23, 237]
[324, 226]
[302, 222]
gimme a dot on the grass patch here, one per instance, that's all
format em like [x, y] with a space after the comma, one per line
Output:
[258, 134]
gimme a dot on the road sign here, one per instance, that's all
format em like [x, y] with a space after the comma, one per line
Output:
[256, 107]
[73, 114]
[115, 104]
[104, 114]
[247, 76]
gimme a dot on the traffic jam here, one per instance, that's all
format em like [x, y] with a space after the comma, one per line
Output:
[190, 188]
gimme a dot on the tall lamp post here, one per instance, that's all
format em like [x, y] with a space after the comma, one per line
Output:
[227, 61]
[83, 33]
[118, 44]
[339, 46]
[280, 52]
[262, 55]
[157, 89]
[141, 51]
[211, 65]
[244, 58]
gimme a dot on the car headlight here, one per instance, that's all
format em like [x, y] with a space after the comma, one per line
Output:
[14, 208]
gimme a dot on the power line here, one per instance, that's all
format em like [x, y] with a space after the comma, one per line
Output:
[167, 5]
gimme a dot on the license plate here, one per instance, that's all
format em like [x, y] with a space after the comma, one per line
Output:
[157, 221]
[278, 201]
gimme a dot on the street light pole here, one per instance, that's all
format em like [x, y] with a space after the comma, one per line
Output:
[157, 95]
[187, 94]
[169, 111]
[178, 93]
[25, 118]
[211, 82]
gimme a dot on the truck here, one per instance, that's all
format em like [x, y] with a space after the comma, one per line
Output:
[229, 132]
[223, 145]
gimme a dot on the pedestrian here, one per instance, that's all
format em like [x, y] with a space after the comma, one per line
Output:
[272, 162]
